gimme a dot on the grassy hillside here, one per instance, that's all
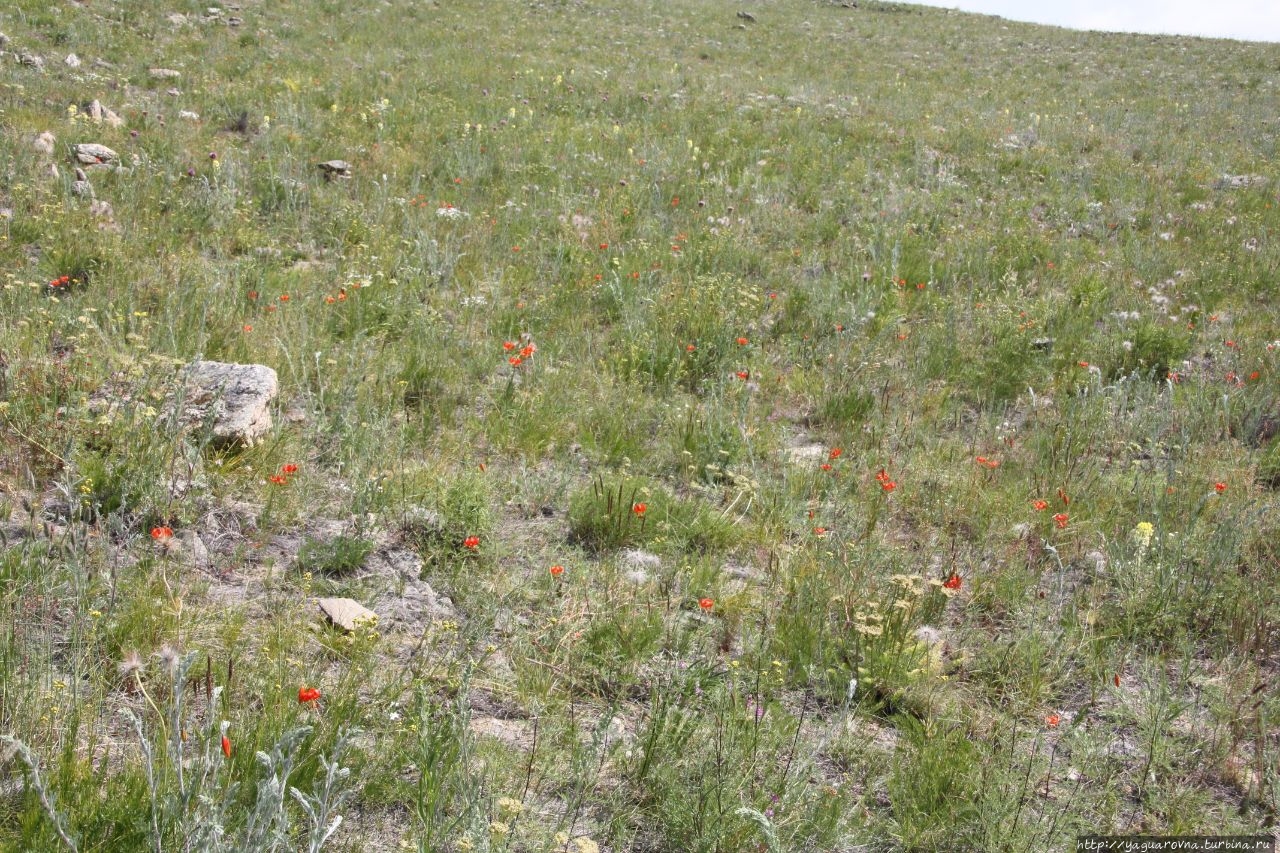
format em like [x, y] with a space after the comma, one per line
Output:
[827, 429]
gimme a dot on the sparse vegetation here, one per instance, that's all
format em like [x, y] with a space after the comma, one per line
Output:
[833, 427]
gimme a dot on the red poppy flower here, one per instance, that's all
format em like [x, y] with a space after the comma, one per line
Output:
[329, 300]
[1039, 505]
[527, 351]
[508, 345]
[888, 485]
[471, 542]
[744, 374]
[706, 604]
[1052, 721]
[819, 531]
[278, 479]
[1219, 487]
[248, 328]
[953, 581]
[289, 468]
[284, 297]
[557, 571]
[989, 463]
[159, 533]
[826, 466]
[515, 361]
[1115, 679]
[308, 694]
[1061, 519]
[689, 347]
[742, 342]
[226, 746]
[639, 509]
[835, 453]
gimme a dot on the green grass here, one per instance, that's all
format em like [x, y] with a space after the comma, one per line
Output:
[608, 287]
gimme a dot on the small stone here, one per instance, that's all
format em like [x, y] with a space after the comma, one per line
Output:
[346, 613]
[31, 60]
[164, 74]
[176, 18]
[95, 156]
[335, 169]
[173, 93]
[188, 115]
[511, 732]
[196, 550]
[81, 186]
[236, 396]
[807, 454]
[101, 114]
[44, 143]
[72, 61]
[235, 21]
[737, 572]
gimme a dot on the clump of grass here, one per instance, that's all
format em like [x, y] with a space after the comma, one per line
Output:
[612, 514]
[342, 555]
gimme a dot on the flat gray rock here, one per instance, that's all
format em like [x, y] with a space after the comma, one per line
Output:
[93, 155]
[236, 396]
[1239, 182]
[346, 613]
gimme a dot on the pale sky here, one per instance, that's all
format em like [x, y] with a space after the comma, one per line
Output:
[1255, 20]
